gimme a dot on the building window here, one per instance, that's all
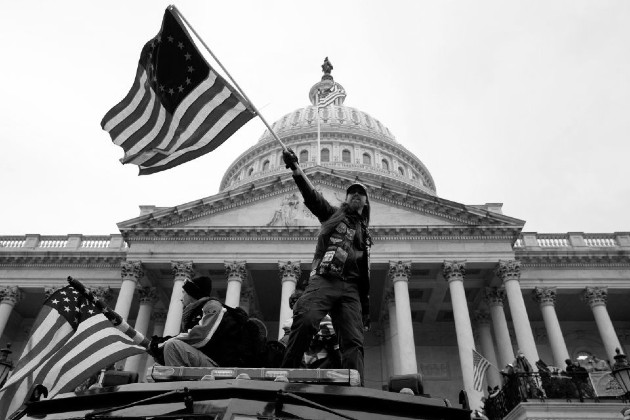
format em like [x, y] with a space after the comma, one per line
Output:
[325, 155]
[367, 159]
[401, 170]
[385, 164]
[345, 156]
[304, 156]
[265, 165]
[250, 171]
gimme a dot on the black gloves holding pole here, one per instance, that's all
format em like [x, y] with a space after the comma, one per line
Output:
[290, 159]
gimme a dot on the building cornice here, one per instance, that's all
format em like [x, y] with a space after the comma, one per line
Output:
[387, 193]
[63, 259]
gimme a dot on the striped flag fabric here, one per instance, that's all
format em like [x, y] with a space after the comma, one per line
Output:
[480, 365]
[178, 108]
[329, 97]
[71, 340]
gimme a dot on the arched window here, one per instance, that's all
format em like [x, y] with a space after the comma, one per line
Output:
[345, 156]
[385, 164]
[250, 171]
[367, 159]
[401, 171]
[325, 155]
[265, 165]
[304, 156]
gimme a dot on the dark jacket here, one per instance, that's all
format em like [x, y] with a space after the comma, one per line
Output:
[336, 252]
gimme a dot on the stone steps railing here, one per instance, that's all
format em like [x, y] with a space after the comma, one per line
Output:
[573, 240]
[63, 242]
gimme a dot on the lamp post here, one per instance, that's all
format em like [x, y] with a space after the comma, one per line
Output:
[6, 365]
[621, 373]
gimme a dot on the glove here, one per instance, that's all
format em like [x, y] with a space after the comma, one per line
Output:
[156, 350]
[366, 322]
[290, 159]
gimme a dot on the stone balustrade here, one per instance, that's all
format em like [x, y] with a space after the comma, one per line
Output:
[535, 240]
[63, 242]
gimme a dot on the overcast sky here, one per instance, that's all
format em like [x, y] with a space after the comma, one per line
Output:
[526, 103]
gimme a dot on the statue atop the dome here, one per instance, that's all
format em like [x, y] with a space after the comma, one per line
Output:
[327, 68]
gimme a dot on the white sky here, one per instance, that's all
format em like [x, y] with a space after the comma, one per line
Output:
[521, 102]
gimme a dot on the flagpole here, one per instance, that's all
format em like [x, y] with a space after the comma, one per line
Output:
[112, 316]
[179, 14]
[319, 146]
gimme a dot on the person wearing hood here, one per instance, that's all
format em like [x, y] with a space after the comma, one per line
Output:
[339, 282]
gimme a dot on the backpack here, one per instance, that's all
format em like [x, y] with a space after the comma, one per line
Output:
[239, 341]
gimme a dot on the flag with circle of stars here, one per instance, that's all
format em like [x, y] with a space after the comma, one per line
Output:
[178, 108]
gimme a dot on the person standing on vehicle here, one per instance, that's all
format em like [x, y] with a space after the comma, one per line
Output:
[339, 281]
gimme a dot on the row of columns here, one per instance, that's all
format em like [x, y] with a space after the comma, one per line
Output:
[398, 330]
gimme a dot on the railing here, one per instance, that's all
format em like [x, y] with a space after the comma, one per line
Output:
[63, 242]
[521, 387]
[572, 240]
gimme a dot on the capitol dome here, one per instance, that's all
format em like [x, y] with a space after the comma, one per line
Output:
[350, 140]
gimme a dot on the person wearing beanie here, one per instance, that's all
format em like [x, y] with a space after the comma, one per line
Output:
[200, 317]
[339, 281]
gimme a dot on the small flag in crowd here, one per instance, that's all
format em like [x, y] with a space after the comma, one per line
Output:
[480, 365]
[178, 108]
[329, 96]
[71, 341]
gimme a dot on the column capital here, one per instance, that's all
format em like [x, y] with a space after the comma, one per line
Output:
[399, 270]
[289, 271]
[481, 317]
[508, 270]
[236, 270]
[494, 296]
[454, 270]
[10, 295]
[595, 296]
[545, 296]
[131, 270]
[103, 293]
[147, 295]
[182, 270]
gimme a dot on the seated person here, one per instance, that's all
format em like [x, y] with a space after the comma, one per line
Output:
[212, 334]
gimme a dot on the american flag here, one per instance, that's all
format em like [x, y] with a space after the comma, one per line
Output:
[480, 365]
[178, 108]
[329, 96]
[71, 341]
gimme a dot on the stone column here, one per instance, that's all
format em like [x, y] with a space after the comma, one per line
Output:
[159, 320]
[9, 296]
[454, 272]
[130, 272]
[236, 275]
[494, 297]
[147, 297]
[182, 271]
[596, 298]
[546, 298]
[482, 319]
[399, 273]
[510, 273]
[392, 337]
[290, 273]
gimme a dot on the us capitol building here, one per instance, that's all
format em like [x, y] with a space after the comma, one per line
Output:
[447, 277]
